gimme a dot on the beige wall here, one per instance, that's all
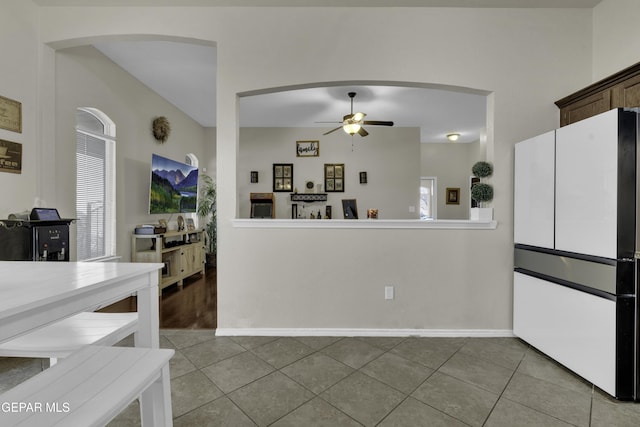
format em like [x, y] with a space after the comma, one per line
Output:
[445, 279]
[616, 39]
[85, 77]
[19, 81]
[389, 156]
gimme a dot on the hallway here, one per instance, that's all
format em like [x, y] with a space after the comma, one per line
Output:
[192, 307]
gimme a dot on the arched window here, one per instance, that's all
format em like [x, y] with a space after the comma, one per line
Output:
[191, 160]
[95, 184]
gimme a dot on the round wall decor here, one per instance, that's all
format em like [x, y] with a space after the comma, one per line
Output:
[161, 129]
[308, 186]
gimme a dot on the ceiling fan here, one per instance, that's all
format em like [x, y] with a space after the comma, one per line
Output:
[353, 123]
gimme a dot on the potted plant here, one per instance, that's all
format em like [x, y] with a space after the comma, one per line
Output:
[207, 211]
[482, 192]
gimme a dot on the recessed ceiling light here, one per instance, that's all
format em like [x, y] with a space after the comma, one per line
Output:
[453, 136]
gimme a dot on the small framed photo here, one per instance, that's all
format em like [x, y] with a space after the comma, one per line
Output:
[363, 177]
[334, 177]
[283, 177]
[453, 196]
[190, 224]
[307, 148]
[254, 177]
[350, 208]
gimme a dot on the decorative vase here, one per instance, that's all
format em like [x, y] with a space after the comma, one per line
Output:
[481, 214]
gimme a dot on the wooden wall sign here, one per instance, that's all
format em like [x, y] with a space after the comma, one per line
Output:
[10, 156]
[307, 148]
[10, 114]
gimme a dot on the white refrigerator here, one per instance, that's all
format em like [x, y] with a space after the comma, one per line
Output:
[575, 233]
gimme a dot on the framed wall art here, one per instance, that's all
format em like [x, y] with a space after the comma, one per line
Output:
[10, 156]
[307, 148]
[453, 196]
[334, 177]
[350, 208]
[283, 177]
[10, 115]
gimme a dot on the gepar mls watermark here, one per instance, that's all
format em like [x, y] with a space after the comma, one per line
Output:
[35, 407]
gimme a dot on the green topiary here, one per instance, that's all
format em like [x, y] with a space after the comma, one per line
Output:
[482, 169]
[481, 192]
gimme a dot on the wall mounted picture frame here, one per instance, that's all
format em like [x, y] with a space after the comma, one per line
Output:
[10, 157]
[11, 117]
[283, 177]
[334, 177]
[453, 196]
[254, 177]
[363, 177]
[308, 148]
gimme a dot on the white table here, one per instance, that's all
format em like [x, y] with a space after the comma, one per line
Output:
[34, 294]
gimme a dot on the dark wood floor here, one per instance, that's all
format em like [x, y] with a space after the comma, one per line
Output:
[192, 307]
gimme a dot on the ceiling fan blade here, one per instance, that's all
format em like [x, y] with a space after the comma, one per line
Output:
[377, 123]
[363, 132]
[332, 130]
[358, 116]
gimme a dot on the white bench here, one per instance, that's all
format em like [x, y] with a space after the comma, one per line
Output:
[91, 386]
[60, 339]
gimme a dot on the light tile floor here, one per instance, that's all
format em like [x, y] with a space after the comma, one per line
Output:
[334, 382]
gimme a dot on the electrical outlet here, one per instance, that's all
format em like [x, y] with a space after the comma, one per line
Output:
[388, 292]
[412, 209]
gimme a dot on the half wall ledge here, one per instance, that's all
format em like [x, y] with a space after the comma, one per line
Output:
[450, 224]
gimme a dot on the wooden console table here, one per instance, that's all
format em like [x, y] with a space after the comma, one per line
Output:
[181, 252]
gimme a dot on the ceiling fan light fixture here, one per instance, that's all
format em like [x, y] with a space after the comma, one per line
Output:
[351, 128]
[453, 136]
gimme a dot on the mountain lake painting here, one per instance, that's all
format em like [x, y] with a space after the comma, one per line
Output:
[174, 186]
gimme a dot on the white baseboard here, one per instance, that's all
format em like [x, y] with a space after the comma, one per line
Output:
[340, 332]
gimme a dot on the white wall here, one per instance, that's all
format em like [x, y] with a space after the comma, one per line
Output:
[389, 156]
[85, 77]
[616, 38]
[460, 279]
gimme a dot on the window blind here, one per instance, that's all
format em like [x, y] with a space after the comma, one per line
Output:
[90, 196]
[95, 185]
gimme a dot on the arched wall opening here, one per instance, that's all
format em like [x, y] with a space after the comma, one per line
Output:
[272, 120]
